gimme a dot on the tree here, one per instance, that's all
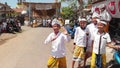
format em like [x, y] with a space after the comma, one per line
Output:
[67, 13]
[65, 0]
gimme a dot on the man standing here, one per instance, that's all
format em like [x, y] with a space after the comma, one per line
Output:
[91, 28]
[104, 15]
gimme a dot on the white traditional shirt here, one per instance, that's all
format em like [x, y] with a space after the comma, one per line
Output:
[80, 37]
[91, 29]
[100, 42]
[105, 16]
[58, 45]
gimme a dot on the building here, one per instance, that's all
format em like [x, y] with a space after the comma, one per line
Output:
[41, 10]
[5, 11]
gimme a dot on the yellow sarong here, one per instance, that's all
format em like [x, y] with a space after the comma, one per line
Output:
[57, 62]
[93, 61]
[78, 54]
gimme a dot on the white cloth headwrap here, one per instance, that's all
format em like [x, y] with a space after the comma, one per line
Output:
[103, 22]
[55, 21]
[102, 6]
[99, 21]
[82, 19]
[95, 15]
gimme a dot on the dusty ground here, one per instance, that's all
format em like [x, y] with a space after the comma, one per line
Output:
[6, 36]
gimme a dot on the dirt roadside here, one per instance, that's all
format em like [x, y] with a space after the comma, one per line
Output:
[6, 36]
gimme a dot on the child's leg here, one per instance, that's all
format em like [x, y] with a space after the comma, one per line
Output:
[79, 64]
[75, 55]
[93, 61]
[73, 63]
[85, 59]
[103, 60]
[81, 58]
[99, 61]
[87, 54]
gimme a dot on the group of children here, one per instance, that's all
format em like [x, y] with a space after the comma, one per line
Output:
[88, 40]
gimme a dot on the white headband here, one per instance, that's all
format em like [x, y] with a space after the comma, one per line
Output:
[103, 22]
[82, 19]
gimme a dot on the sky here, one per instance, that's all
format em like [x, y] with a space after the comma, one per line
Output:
[13, 3]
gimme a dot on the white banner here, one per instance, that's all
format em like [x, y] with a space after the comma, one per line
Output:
[113, 7]
[43, 7]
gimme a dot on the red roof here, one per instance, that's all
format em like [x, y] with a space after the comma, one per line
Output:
[19, 10]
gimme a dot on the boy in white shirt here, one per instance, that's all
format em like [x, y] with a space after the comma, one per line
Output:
[57, 59]
[91, 28]
[79, 42]
[101, 39]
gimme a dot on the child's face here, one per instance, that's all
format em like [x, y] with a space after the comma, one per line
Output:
[82, 24]
[94, 20]
[100, 26]
[56, 27]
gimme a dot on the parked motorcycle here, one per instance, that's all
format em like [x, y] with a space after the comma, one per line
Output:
[9, 28]
[16, 26]
[71, 30]
[116, 54]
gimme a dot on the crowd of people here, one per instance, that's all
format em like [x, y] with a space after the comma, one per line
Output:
[90, 40]
[44, 22]
[10, 25]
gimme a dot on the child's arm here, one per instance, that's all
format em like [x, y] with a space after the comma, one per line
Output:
[48, 39]
[112, 46]
[109, 43]
[75, 37]
[92, 44]
[64, 31]
[67, 37]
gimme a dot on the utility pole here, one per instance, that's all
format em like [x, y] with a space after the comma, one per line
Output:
[56, 1]
[29, 12]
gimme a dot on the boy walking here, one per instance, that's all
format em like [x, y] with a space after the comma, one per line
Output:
[80, 43]
[57, 59]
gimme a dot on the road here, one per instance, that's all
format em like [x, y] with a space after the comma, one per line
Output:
[27, 50]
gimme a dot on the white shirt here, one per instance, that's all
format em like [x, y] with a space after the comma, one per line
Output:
[105, 16]
[58, 45]
[100, 41]
[80, 37]
[91, 29]
[4, 24]
[49, 21]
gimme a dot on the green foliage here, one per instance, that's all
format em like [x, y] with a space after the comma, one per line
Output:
[89, 2]
[65, 0]
[67, 13]
[62, 0]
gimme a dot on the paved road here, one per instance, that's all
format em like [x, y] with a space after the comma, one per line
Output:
[27, 50]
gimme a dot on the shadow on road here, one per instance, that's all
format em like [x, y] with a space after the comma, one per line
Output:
[113, 64]
[87, 66]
